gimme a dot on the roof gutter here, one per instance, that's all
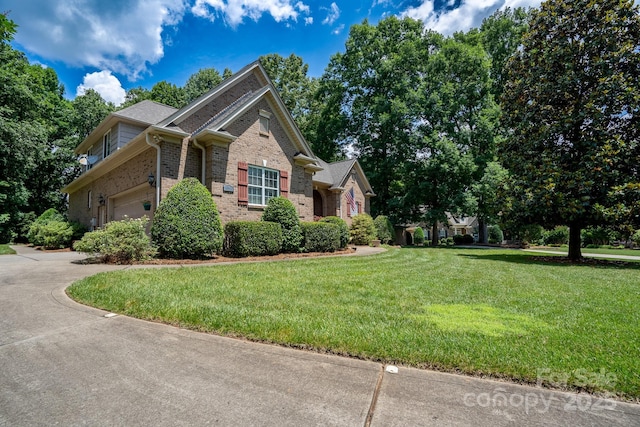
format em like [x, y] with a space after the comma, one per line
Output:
[204, 159]
[158, 157]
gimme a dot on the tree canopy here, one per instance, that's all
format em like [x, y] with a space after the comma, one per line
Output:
[572, 103]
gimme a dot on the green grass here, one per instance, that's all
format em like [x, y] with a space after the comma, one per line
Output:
[6, 250]
[489, 312]
[632, 252]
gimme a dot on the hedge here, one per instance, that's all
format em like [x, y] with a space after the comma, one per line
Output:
[342, 226]
[283, 212]
[320, 236]
[252, 238]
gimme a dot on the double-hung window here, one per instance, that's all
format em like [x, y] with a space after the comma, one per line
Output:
[263, 185]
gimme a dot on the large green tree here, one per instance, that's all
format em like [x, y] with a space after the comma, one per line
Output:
[36, 157]
[372, 87]
[458, 106]
[572, 102]
[200, 83]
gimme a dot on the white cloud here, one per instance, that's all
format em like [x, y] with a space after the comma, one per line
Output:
[104, 35]
[234, 11]
[468, 15]
[338, 30]
[333, 15]
[308, 20]
[106, 84]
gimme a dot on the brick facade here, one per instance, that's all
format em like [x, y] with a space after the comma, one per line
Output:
[239, 102]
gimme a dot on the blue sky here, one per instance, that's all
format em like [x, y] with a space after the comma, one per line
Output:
[115, 45]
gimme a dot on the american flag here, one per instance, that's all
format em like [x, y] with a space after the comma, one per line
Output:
[351, 201]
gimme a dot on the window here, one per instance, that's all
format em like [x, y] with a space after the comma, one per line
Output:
[106, 144]
[89, 199]
[90, 163]
[263, 185]
[265, 117]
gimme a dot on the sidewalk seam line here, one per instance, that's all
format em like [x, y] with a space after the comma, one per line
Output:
[374, 399]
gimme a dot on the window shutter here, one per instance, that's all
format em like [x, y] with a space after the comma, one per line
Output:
[348, 209]
[359, 205]
[243, 184]
[284, 184]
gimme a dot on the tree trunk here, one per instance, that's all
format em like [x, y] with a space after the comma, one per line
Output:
[575, 252]
[482, 231]
[434, 234]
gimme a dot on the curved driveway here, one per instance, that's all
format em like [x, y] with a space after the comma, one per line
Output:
[67, 364]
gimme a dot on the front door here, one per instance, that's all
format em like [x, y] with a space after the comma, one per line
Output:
[317, 204]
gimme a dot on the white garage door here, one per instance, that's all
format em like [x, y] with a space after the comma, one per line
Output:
[131, 204]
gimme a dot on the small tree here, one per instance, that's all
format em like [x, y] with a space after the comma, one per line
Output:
[384, 229]
[283, 212]
[363, 230]
[187, 223]
[418, 236]
[495, 234]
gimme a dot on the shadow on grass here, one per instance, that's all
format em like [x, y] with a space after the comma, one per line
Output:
[556, 261]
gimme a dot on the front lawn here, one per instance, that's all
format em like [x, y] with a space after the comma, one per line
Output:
[478, 311]
[5, 249]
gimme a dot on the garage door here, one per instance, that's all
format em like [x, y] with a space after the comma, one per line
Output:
[131, 205]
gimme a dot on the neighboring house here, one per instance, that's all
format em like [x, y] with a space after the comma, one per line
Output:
[239, 140]
[455, 225]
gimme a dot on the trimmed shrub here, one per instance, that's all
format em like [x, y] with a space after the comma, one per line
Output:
[557, 236]
[342, 226]
[363, 230]
[252, 238]
[55, 234]
[187, 223]
[35, 234]
[119, 242]
[495, 234]
[283, 212]
[418, 236]
[463, 239]
[531, 233]
[52, 231]
[384, 229]
[320, 237]
[596, 236]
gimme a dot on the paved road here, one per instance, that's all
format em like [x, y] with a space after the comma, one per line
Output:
[66, 364]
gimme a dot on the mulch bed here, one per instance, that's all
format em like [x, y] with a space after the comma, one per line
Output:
[219, 259]
[581, 261]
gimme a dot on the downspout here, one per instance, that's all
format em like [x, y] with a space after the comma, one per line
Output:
[158, 177]
[204, 160]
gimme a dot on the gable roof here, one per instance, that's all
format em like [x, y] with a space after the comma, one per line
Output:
[336, 174]
[231, 112]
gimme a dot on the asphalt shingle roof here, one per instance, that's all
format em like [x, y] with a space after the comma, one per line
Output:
[149, 112]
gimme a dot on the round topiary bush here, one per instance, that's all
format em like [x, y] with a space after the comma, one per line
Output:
[187, 223]
[418, 236]
[342, 225]
[363, 230]
[495, 234]
[384, 229]
[282, 211]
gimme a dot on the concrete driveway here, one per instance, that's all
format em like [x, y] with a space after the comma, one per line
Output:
[66, 364]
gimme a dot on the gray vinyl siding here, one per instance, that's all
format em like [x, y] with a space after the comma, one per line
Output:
[125, 132]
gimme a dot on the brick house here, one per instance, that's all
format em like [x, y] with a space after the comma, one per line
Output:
[238, 139]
